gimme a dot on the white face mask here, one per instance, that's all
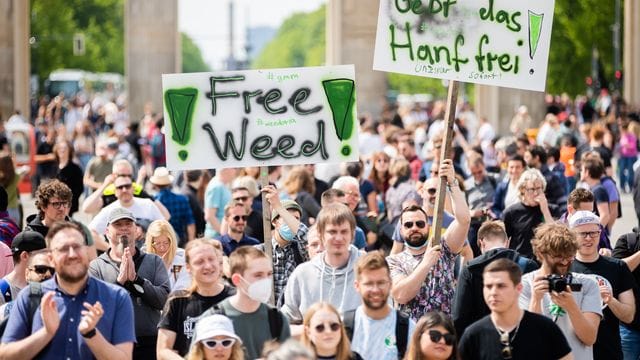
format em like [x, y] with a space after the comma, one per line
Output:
[260, 290]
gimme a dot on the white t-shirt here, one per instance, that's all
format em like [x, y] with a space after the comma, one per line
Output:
[376, 339]
[141, 209]
[588, 300]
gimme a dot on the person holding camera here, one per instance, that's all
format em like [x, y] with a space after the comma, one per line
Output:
[571, 300]
[614, 279]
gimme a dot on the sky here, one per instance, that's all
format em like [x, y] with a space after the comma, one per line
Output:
[207, 22]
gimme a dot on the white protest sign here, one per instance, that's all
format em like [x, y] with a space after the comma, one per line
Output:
[260, 117]
[491, 42]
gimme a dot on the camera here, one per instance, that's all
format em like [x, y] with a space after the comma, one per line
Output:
[558, 283]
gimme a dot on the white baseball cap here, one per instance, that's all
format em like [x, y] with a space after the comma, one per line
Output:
[214, 325]
[583, 217]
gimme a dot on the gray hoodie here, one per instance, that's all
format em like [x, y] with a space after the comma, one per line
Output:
[315, 281]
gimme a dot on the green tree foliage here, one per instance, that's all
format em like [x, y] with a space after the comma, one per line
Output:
[54, 23]
[192, 60]
[578, 26]
[300, 41]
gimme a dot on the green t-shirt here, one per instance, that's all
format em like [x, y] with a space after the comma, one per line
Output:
[253, 328]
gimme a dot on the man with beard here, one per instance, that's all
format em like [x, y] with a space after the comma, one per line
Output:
[143, 275]
[375, 329]
[423, 275]
[576, 311]
[80, 317]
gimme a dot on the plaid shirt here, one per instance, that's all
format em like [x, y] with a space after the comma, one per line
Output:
[285, 260]
[8, 228]
[180, 210]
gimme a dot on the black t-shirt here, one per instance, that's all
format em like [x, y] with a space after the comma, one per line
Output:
[254, 226]
[600, 195]
[481, 340]
[622, 251]
[520, 221]
[607, 344]
[181, 313]
[47, 169]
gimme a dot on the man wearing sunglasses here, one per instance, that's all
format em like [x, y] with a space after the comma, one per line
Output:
[614, 280]
[24, 245]
[509, 332]
[139, 207]
[236, 217]
[423, 274]
[39, 269]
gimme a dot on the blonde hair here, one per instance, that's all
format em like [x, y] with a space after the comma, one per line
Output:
[554, 240]
[299, 179]
[159, 228]
[197, 352]
[529, 175]
[344, 346]
[246, 182]
[190, 246]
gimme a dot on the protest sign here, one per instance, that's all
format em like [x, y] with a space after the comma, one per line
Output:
[260, 117]
[491, 42]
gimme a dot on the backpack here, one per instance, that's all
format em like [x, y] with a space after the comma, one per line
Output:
[35, 295]
[275, 320]
[520, 260]
[402, 329]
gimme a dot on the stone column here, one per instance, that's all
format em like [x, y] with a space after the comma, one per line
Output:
[14, 57]
[351, 33]
[631, 51]
[152, 43]
[499, 104]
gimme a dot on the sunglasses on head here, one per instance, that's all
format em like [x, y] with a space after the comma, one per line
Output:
[225, 343]
[333, 327]
[238, 217]
[43, 269]
[436, 335]
[409, 224]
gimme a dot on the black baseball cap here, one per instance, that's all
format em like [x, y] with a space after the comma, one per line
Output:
[28, 241]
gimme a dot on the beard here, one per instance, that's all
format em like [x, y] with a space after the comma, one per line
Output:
[374, 305]
[73, 276]
[416, 239]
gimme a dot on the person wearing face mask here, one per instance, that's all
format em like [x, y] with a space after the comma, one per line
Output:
[422, 274]
[255, 322]
[143, 275]
[289, 240]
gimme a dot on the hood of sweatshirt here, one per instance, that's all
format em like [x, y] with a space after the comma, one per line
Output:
[336, 284]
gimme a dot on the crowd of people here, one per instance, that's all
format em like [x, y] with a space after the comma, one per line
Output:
[174, 265]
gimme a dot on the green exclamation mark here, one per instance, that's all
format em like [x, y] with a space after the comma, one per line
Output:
[535, 27]
[341, 96]
[180, 104]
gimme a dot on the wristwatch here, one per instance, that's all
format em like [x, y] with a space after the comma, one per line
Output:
[453, 183]
[89, 334]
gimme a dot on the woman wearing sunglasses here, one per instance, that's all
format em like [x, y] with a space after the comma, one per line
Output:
[215, 338]
[433, 339]
[324, 334]
[162, 240]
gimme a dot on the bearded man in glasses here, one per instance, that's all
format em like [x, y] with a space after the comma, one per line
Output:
[509, 332]
[423, 274]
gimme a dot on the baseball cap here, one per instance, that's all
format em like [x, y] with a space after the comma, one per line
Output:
[287, 205]
[120, 213]
[214, 325]
[583, 217]
[28, 241]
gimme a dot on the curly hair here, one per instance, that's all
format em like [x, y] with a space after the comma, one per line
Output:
[555, 240]
[50, 189]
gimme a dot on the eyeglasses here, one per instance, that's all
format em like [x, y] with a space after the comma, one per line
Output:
[161, 244]
[124, 175]
[376, 284]
[436, 335]
[42, 269]
[353, 194]
[225, 343]
[65, 248]
[238, 217]
[506, 350]
[124, 186]
[241, 198]
[533, 190]
[420, 224]
[334, 326]
[60, 204]
[559, 258]
[591, 234]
